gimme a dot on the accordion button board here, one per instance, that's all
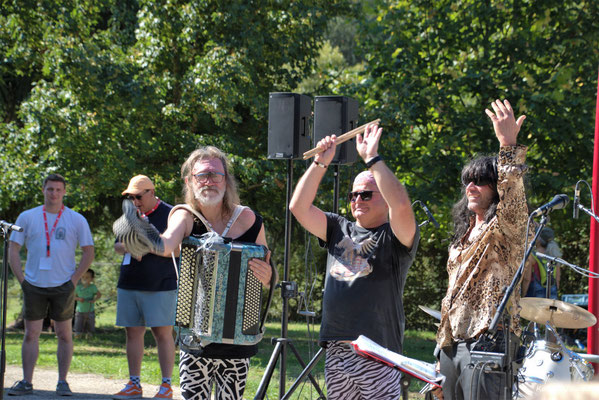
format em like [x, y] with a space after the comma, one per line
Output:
[219, 299]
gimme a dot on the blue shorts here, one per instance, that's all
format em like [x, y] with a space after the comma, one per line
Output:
[143, 308]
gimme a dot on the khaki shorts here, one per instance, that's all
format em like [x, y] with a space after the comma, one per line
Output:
[60, 301]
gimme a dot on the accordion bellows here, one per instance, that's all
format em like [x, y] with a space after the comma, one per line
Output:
[219, 299]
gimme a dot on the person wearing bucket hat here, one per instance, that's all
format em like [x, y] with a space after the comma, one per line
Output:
[146, 295]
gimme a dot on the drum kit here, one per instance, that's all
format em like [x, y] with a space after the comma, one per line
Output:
[547, 359]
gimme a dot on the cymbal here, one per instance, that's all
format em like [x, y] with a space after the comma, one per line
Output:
[433, 313]
[559, 313]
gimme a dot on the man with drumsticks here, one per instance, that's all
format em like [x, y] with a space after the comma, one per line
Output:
[211, 197]
[366, 268]
[486, 250]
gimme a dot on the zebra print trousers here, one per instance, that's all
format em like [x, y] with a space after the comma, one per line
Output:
[352, 377]
[198, 374]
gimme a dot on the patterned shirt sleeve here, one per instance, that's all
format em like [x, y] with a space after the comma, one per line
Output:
[512, 211]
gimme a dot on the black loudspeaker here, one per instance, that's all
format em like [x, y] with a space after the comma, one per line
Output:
[336, 115]
[288, 125]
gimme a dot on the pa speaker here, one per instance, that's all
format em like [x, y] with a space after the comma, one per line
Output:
[288, 125]
[335, 115]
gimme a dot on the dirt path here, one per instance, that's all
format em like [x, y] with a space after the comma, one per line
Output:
[84, 386]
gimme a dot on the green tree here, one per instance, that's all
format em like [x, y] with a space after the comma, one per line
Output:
[432, 67]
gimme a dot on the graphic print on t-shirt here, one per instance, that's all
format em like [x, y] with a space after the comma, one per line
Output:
[351, 258]
[60, 233]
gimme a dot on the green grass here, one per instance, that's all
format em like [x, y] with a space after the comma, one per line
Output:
[105, 354]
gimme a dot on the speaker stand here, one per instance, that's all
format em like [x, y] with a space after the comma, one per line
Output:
[321, 352]
[288, 290]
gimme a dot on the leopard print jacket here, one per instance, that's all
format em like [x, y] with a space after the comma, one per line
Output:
[481, 267]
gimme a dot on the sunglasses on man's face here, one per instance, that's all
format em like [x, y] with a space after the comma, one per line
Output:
[365, 195]
[137, 196]
[477, 181]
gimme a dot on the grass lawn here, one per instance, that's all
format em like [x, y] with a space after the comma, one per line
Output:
[104, 354]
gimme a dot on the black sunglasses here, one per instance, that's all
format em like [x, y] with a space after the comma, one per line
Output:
[137, 196]
[481, 181]
[365, 195]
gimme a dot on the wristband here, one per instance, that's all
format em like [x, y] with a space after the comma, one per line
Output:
[321, 165]
[373, 161]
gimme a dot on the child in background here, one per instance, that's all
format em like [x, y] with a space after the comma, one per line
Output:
[86, 294]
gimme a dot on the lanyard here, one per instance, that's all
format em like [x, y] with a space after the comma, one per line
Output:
[49, 235]
[153, 209]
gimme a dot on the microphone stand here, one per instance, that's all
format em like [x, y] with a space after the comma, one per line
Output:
[587, 211]
[5, 229]
[485, 338]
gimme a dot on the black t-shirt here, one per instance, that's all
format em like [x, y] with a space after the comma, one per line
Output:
[153, 273]
[365, 278]
[220, 350]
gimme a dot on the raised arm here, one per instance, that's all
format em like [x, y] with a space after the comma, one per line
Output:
[308, 215]
[401, 216]
[512, 211]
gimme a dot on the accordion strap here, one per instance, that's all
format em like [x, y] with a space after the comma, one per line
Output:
[236, 213]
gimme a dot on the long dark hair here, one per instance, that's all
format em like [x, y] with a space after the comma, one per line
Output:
[482, 170]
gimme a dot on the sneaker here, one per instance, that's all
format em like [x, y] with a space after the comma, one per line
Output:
[63, 389]
[20, 388]
[131, 391]
[165, 392]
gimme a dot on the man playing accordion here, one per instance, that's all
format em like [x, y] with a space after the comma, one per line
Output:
[212, 205]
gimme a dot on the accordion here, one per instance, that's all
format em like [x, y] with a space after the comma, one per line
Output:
[219, 300]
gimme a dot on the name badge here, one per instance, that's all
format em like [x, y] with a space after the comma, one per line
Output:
[45, 263]
[127, 259]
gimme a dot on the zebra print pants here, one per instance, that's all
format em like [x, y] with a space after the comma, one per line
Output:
[351, 377]
[198, 374]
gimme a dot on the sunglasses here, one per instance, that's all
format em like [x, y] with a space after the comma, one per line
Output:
[365, 195]
[481, 181]
[203, 177]
[137, 196]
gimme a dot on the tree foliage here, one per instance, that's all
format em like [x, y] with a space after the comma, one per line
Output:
[103, 90]
[434, 66]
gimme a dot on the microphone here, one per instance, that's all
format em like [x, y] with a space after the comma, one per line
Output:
[559, 201]
[575, 202]
[429, 214]
[10, 227]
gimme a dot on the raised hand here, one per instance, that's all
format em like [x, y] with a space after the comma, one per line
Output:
[504, 123]
[328, 147]
[368, 144]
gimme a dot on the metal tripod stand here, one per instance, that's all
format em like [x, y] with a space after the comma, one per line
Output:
[288, 290]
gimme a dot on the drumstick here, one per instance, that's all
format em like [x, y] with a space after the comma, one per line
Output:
[343, 138]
